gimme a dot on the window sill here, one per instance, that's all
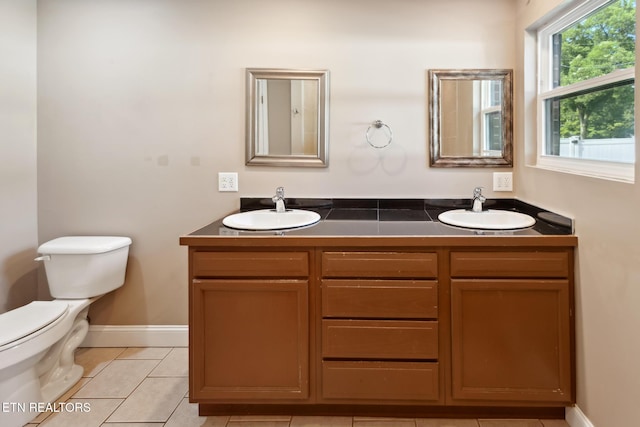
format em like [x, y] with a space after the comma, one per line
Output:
[612, 171]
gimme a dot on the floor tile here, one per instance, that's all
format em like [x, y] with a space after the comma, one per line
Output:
[145, 353]
[238, 418]
[94, 360]
[554, 423]
[132, 425]
[259, 421]
[424, 422]
[175, 364]
[383, 422]
[299, 421]
[153, 401]
[98, 411]
[118, 379]
[66, 396]
[186, 415]
[510, 423]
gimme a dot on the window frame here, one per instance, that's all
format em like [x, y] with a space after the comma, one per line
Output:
[623, 172]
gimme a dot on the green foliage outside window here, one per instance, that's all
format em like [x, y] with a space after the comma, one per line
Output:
[596, 46]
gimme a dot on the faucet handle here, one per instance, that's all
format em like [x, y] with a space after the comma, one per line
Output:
[279, 194]
[477, 192]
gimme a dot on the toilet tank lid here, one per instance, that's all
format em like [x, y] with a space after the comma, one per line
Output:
[73, 245]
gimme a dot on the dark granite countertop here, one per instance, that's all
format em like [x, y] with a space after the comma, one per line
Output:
[388, 218]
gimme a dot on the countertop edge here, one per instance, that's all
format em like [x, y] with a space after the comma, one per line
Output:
[379, 241]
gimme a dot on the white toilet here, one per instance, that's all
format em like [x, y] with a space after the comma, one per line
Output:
[38, 340]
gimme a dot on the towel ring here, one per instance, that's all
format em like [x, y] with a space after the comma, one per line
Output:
[378, 124]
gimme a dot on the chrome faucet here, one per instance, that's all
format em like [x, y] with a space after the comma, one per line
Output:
[279, 200]
[478, 199]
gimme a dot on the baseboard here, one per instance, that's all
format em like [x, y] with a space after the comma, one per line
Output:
[137, 336]
[576, 418]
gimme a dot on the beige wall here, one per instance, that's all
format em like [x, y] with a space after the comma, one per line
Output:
[141, 104]
[18, 210]
[608, 261]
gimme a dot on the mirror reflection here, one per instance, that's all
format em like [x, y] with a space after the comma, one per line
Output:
[471, 118]
[287, 117]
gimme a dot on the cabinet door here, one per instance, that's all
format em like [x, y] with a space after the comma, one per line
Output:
[511, 340]
[249, 340]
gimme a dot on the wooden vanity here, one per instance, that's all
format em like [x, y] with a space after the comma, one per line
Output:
[431, 325]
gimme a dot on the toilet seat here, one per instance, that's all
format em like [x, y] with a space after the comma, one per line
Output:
[26, 320]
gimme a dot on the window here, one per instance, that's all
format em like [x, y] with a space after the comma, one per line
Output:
[491, 101]
[586, 90]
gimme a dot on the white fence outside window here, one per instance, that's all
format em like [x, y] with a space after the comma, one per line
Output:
[612, 149]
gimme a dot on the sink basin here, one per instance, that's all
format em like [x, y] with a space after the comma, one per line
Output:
[487, 220]
[269, 219]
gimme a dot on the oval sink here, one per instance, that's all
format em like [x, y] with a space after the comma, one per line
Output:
[487, 220]
[269, 219]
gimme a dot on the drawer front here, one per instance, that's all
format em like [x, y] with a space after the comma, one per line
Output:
[380, 380]
[380, 264]
[250, 264]
[509, 264]
[380, 299]
[370, 339]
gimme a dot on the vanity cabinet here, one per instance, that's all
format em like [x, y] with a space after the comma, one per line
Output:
[379, 326]
[249, 326]
[443, 326]
[511, 326]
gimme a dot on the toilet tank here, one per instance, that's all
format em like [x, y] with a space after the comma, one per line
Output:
[84, 266]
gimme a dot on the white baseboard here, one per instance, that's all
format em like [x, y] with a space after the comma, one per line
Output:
[137, 336]
[576, 418]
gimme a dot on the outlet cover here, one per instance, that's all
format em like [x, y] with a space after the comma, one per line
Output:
[228, 181]
[502, 181]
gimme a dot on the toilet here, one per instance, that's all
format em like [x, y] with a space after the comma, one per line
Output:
[38, 340]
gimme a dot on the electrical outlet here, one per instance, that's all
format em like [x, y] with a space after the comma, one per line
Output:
[227, 181]
[502, 181]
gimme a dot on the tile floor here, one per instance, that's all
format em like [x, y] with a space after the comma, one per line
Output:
[147, 387]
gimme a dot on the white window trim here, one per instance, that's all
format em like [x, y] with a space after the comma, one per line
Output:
[623, 172]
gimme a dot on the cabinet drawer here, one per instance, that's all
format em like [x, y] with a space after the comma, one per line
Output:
[371, 339]
[509, 264]
[250, 264]
[380, 299]
[380, 380]
[380, 264]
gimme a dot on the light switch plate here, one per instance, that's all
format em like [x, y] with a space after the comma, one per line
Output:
[227, 181]
[502, 181]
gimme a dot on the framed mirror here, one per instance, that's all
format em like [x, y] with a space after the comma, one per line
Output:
[287, 119]
[471, 122]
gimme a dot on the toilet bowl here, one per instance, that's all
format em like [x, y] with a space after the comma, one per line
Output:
[38, 340]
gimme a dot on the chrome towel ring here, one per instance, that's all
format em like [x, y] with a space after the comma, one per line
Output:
[377, 125]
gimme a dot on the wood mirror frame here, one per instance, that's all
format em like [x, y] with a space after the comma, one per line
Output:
[505, 156]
